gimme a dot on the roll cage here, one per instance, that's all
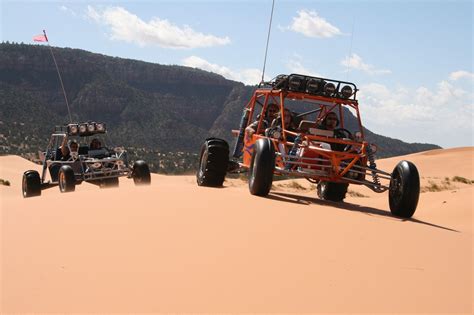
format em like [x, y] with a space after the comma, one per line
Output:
[310, 152]
[88, 164]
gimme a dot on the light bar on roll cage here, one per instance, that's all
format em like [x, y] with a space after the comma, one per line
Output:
[314, 86]
[86, 129]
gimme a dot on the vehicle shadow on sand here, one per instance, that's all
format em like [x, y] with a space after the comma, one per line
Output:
[306, 200]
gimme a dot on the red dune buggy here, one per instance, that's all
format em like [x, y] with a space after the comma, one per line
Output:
[301, 141]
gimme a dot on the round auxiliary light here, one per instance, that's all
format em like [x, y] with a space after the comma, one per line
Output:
[83, 128]
[346, 91]
[312, 86]
[73, 129]
[329, 89]
[295, 83]
[90, 127]
[100, 127]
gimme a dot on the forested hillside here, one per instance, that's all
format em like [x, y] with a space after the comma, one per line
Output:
[160, 112]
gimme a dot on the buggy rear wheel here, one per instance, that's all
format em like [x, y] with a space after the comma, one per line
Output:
[66, 178]
[261, 167]
[332, 191]
[141, 173]
[404, 190]
[213, 163]
[31, 184]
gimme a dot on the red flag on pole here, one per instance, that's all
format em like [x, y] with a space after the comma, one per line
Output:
[40, 38]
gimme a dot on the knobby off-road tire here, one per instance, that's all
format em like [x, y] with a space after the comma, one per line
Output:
[140, 173]
[262, 167]
[332, 191]
[404, 189]
[31, 184]
[66, 178]
[213, 163]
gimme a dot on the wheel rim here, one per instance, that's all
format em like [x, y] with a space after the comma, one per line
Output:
[62, 181]
[23, 186]
[321, 189]
[396, 187]
[254, 169]
[202, 166]
[255, 165]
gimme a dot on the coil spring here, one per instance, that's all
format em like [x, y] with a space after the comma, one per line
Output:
[373, 166]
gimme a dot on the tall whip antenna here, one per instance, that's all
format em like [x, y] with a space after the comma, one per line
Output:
[350, 50]
[59, 75]
[268, 40]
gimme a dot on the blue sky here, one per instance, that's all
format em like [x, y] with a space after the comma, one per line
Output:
[412, 60]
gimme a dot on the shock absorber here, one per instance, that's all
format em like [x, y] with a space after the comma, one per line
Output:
[373, 167]
[239, 144]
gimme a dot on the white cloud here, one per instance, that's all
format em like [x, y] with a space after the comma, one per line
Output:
[128, 27]
[442, 116]
[247, 76]
[461, 74]
[356, 62]
[310, 24]
[67, 10]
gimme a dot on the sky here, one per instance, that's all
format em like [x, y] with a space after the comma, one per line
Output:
[411, 60]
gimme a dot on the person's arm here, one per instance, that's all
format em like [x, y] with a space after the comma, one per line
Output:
[250, 130]
[64, 149]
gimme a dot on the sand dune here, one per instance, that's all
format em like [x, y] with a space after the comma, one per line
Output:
[176, 247]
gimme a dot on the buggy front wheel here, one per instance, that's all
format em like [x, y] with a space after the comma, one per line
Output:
[262, 167]
[67, 180]
[404, 190]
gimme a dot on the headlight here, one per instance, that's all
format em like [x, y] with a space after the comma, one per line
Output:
[91, 127]
[295, 83]
[72, 129]
[96, 165]
[313, 86]
[346, 91]
[82, 128]
[329, 89]
[100, 127]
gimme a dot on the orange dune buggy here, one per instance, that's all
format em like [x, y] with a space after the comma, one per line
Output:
[296, 143]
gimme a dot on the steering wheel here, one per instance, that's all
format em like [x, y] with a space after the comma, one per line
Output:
[343, 131]
[273, 132]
